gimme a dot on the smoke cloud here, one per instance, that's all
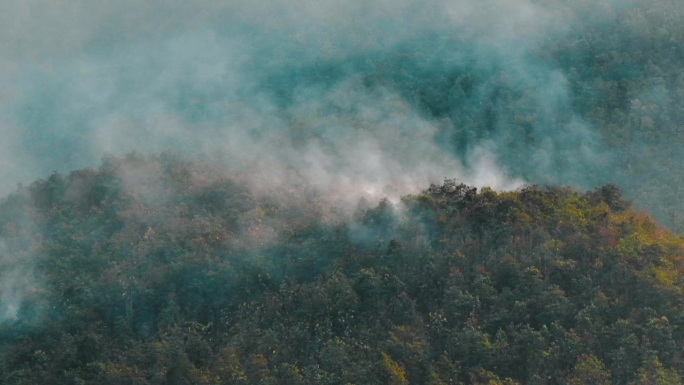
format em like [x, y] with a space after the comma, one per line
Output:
[316, 92]
[355, 98]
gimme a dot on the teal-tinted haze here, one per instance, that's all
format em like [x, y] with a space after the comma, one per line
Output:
[330, 92]
[379, 98]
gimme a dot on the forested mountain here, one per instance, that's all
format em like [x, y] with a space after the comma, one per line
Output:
[159, 270]
[279, 217]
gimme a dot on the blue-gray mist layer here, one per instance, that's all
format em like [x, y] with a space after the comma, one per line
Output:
[369, 94]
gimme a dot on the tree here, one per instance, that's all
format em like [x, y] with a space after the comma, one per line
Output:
[589, 370]
[654, 373]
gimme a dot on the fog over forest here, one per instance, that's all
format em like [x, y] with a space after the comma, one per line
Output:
[378, 98]
[341, 192]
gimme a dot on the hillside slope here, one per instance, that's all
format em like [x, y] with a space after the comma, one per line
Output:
[157, 270]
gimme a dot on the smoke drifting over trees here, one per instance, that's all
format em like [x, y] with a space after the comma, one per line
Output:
[382, 97]
[262, 138]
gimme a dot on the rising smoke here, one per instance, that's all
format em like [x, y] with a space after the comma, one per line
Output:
[361, 98]
[379, 96]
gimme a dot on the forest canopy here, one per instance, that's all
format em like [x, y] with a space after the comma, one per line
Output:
[342, 192]
[159, 270]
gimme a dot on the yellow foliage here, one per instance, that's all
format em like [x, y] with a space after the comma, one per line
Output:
[259, 370]
[641, 232]
[642, 227]
[206, 377]
[229, 365]
[396, 371]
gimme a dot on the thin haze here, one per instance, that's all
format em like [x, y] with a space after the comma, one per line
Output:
[321, 93]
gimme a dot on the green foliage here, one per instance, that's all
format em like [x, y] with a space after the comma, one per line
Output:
[214, 284]
[160, 270]
[589, 371]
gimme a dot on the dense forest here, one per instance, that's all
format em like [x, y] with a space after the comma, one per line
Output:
[475, 192]
[159, 270]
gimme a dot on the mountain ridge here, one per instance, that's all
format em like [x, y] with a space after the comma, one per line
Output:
[161, 270]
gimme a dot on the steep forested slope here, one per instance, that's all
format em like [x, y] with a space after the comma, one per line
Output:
[157, 270]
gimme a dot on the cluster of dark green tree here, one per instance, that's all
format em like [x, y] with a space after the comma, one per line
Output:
[165, 271]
